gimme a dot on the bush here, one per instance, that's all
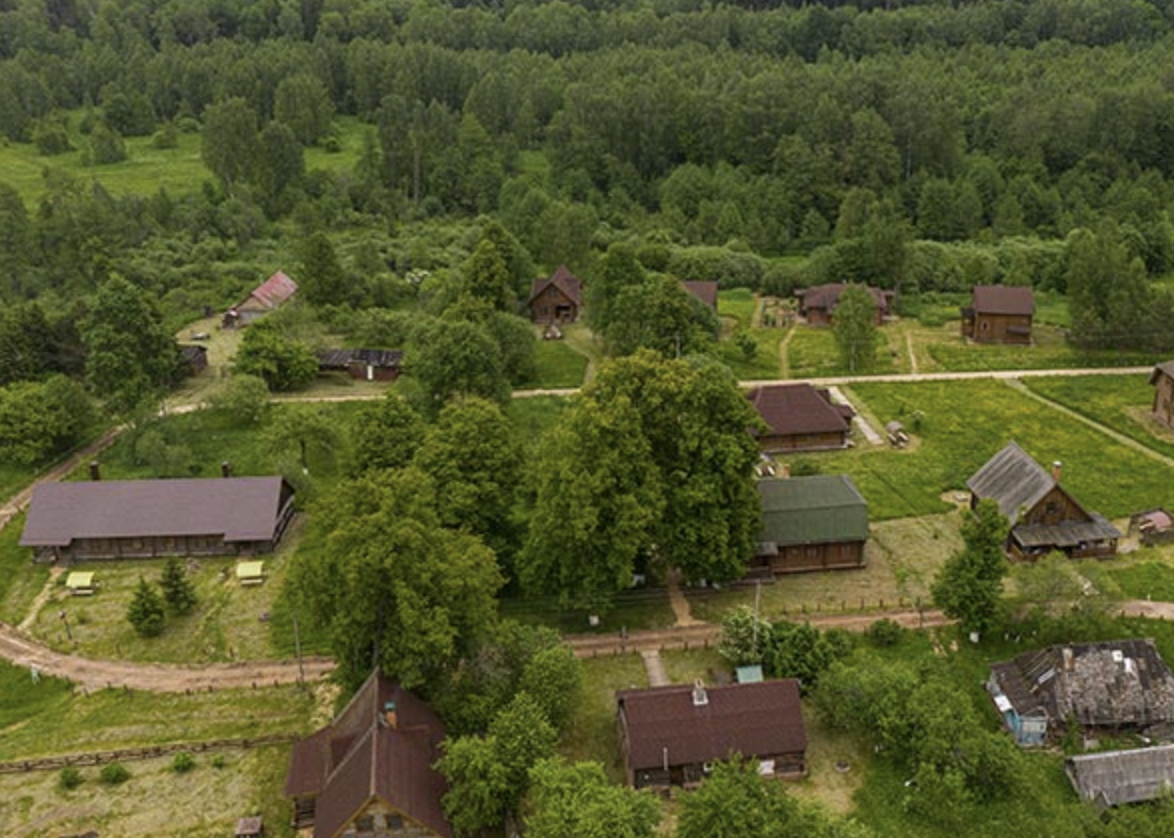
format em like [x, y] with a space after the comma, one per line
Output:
[113, 774]
[70, 778]
[885, 632]
[218, 761]
[183, 762]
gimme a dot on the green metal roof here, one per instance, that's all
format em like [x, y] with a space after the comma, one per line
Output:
[812, 510]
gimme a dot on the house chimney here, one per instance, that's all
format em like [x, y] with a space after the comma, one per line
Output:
[1056, 471]
[390, 718]
[95, 470]
[700, 696]
[225, 468]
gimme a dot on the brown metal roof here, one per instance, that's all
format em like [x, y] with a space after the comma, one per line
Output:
[1003, 299]
[239, 508]
[755, 719]
[564, 281]
[828, 296]
[790, 409]
[360, 758]
[704, 290]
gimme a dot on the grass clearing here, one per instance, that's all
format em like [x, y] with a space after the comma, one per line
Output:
[20, 579]
[592, 733]
[812, 353]
[559, 364]
[155, 802]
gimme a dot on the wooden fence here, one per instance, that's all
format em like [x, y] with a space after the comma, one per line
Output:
[131, 754]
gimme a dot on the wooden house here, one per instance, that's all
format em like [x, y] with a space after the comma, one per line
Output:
[263, 299]
[703, 290]
[363, 364]
[811, 523]
[1116, 778]
[799, 417]
[818, 304]
[370, 771]
[117, 519]
[999, 314]
[671, 736]
[1162, 380]
[1043, 515]
[1114, 687]
[557, 299]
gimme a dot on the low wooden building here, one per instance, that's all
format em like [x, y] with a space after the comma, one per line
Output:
[999, 314]
[810, 524]
[1152, 527]
[1118, 778]
[193, 359]
[1114, 687]
[1044, 517]
[1162, 380]
[799, 417]
[266, 297]
[671, 736]
[371, 771]
[556, 299]
[363, 364]
[703, 290]
[125, 519]
[818, 304]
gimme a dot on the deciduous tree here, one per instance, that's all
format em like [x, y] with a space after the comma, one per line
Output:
[576, 800]
[855, 328]
[281, 362]
[969, 587]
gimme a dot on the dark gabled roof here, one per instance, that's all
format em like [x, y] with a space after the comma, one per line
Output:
[239, 508]
[340, 359]
[704, 290]
[1012, 479]
[755, 719]
[1113, 778]
[820, 509]
[1003, 299]
[272, 292]
[359, 758]
[790, 409]
[564, 281]
[1166, 368]
[192, 354]
[1066, 534]
[1119, 682]
[827, 296]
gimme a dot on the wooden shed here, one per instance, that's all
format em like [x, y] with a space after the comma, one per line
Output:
[363, 364]
[116, 519]
[556, 299]
[1116, 778]
[671, 736]
[810, 524]
[266, 297]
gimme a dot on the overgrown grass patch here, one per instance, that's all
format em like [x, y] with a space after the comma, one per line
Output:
[592, 732]
[812, 353]
[559, 365]
[635, 609]
[20, 579]
[1149, 579]
[736, 309]
[532, 416]
[1049, 350]
[1120, 402]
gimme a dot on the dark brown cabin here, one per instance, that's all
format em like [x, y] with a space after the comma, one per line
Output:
[818, 304]
[1043, 516]
[371, 771]
[672, 735]
[558, 299]
[139, 519]
[999, 314]
[799, 417]
[1162, 380]
[363, 364]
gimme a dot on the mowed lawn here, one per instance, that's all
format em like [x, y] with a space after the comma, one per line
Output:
[962, 425]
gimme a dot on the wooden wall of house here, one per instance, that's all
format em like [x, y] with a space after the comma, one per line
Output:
[1055, 507]
[801, 558]
[1164, 400]
[545, 308]
[786, 766]
[803, 442]
[369, 372]
[997, 328]
[818, 317]
[113, 549]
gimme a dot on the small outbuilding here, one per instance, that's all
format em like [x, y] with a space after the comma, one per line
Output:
[363, 364]
[810, 524]
[1116, 778]
[1162, 380]
[999, 314]
[266, 297]
[1152, 527]
[671, 736]
[799, 417]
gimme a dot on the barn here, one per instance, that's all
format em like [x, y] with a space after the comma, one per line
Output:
[124, 519]
[810, 524]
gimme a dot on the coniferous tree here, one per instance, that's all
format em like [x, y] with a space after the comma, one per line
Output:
[178, 591]
[145, 611]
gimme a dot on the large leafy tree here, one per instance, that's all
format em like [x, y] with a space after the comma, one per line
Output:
[130, 356]
[658, 314]
[855, 328]
[392, 586]
[323, 280]
[385, 434]
[1108, 292]
[488, 279]
[305, 427]
[40, 420]
[969, 587]
[283, 363]
[576, 800]
[228, 142]
[457, 357]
